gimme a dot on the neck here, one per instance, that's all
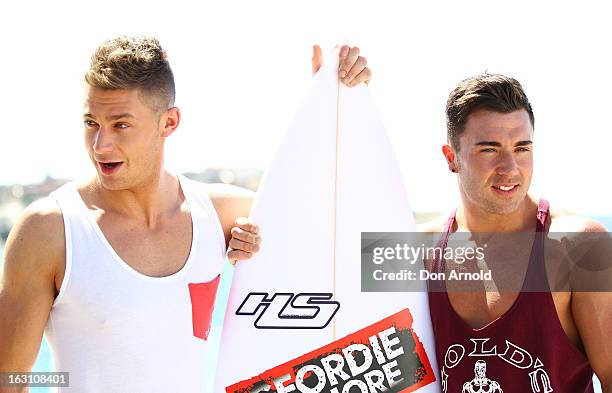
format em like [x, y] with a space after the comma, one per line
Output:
[146, 202]
[475, 219]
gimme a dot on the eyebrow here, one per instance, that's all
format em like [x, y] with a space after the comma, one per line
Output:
[113, 117]
[497, 144]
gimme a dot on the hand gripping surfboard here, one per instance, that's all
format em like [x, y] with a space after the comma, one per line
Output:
[296, 319]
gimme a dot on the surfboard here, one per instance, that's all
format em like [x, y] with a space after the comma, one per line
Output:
[296, 319]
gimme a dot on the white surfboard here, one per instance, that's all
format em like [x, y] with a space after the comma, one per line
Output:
[334, 176]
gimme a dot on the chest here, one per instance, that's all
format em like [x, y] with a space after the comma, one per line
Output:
[483, 302]
[479, 302]
[156, 252]
[479, 309]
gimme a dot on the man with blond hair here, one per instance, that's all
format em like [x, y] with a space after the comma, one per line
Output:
[120, 270]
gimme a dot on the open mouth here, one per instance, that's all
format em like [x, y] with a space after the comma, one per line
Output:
[108, 168]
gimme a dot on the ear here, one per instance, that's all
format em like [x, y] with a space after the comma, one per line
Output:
[170, 121]
[449, 155]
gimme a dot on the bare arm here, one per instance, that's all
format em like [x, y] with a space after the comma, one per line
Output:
[592, 313]
[230, 202]
[34, 253]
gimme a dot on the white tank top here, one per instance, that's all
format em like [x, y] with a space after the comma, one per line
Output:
[117, 330]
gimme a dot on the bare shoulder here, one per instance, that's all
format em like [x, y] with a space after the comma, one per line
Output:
[41, 225]
[230, 202]
[220, 191]
[433, 226]
[36, 242]
[565, 221]
[229, 199]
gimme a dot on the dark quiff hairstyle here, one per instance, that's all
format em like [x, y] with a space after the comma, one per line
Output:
[134, 63]
[494, 92]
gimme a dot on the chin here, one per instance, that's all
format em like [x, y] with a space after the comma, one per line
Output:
[112, 184]
[504, 208]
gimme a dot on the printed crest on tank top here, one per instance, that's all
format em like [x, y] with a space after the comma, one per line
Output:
[481, 349]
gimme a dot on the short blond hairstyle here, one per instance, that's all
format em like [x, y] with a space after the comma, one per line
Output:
[134, 63]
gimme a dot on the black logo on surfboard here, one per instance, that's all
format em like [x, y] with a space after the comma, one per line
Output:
[289, 310]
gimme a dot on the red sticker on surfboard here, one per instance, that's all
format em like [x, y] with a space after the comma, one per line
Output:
[385, 356]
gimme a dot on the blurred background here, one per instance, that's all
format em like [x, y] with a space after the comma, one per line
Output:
[242, 68]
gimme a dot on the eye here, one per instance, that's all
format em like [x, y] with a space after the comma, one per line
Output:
[488, 150]
[522, 149]
[121, 126]
[90, 123]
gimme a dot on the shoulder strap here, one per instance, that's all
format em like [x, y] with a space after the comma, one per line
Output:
[542, 215]
[536, 279]
[438, 262]
[450, 222]
[197, 197]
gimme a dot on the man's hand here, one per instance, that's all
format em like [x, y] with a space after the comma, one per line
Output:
[352, 69]
[245, 240]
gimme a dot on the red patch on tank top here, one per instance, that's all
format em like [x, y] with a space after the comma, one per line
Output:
[202, 304]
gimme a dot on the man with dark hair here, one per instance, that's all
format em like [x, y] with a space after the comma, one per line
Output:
[536, 341]
[121, 270]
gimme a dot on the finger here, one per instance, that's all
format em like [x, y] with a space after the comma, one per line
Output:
[347, 62]
[236, 244]
[364, 76]
[317, 59]
[343, 52]
[245, 236]
[247, 224]
[359, 66]
[238, 255]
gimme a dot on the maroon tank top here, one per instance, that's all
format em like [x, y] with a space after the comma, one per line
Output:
[524, 350]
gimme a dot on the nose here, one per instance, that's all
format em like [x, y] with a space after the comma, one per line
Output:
[103, 141]
[506, 165]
